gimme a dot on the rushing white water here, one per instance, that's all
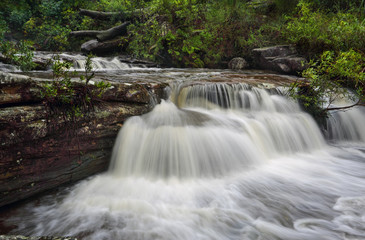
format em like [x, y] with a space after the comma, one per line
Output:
[100, 63]
[79, 61]
[231, 162]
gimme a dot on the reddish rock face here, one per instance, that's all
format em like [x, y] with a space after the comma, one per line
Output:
[39, 152]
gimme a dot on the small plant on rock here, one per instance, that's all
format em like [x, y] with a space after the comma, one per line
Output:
[69, 98]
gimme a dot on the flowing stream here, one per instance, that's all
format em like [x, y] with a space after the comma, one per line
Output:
[219, 160]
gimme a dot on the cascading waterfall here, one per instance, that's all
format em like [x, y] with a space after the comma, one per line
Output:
[217, 161]
[197, 143]
[79, 61]
[347, 125]
[99, 63]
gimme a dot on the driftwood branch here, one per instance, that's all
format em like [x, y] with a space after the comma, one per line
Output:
[358, 103]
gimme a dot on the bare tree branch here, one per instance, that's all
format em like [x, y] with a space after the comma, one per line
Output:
[358, 103]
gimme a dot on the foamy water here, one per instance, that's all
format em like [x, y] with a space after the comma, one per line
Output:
[231, 162]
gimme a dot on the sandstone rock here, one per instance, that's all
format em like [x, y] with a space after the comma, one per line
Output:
[237, 63]
[39, 151]
[283, 59]
[15, 89]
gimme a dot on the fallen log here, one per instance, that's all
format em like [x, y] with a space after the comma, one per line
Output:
[126, 15]
[120, 30]
[100, 15]
[85, 33]
[103, 35]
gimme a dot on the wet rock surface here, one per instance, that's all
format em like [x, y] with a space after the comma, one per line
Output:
[40, 151]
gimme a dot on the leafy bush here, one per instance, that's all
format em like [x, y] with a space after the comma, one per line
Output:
[339, 5]
[192, 33]
[313, 31]
[50, 28]
[334, 75]
[3, 27]
[285, 6]
[68, 99]
[172, 34]
[19, 53]
[18, 17]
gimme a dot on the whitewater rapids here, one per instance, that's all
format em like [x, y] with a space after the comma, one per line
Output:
[220, 162]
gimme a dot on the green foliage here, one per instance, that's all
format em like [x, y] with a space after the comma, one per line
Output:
[285, 6]
[19, 53]
[175, 36]
[68, 98]
[51, 22]
[15, 13]
[314, 31]
[334, 75]
[120, 5]
[3, 28]
[339, 5]
[18, 17]
[51, 8]
[192, 33]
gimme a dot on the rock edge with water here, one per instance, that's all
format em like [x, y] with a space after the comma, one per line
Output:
[37, 155]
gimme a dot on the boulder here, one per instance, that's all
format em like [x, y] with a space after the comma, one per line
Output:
[238, 63]
[282, 58]
[40, 151]
[102, 48]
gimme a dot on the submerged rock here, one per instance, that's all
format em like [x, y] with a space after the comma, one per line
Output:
[40, 150]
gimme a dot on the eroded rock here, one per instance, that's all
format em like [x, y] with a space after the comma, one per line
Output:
[40, 150]
[283, 59]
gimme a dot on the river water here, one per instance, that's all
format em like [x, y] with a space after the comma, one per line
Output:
[219, 160]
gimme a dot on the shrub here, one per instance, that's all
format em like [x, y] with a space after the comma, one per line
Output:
[192, 33]
[19, 53]
[18, 17]
[333, 75]
[314, 31]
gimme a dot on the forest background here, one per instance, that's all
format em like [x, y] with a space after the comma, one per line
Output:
[203, 33]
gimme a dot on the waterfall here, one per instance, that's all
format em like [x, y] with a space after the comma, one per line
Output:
[100, 64]
[78, 61]
[219, 161]
[192, 142]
